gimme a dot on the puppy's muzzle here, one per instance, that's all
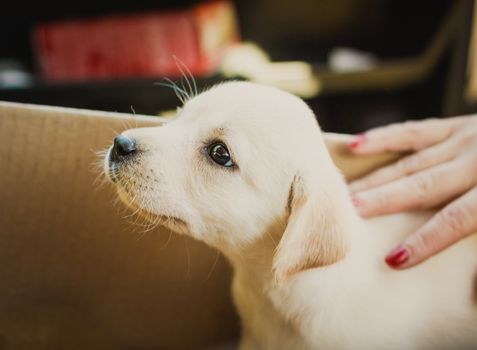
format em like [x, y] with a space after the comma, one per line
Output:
[124, 147]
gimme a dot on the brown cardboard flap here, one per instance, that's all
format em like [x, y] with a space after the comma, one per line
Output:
[75, 271]
[353, 166]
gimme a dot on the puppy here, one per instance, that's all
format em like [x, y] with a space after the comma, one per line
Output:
[244, 168]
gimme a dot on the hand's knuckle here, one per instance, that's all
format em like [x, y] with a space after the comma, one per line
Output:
[407, 165]
[423, 243]
[401, 166]
[467, 139]
[455, 219]
[413, 134]
[467, 123]
[411, 127]
[473, 167]
[424, 184]
[378, 200]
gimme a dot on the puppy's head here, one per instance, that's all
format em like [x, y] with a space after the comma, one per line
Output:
[237, 159]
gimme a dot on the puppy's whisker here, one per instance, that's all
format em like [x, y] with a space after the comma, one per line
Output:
[272, 239]
[99, 181]
[180, 93]
[149, 221]
[99, 157]
[214, 264]
[167, 241]
[114, 131]
[188, 257]
[141, 235]
[140, 222]
[129, 123]
[183, 86]
[186, 73]
[131, 200]
[133, 214]
[135, 119]
[149, 225]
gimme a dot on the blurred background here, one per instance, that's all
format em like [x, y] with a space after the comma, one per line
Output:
[357, 63]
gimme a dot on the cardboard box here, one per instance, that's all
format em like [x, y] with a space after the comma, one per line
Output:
[75, 273]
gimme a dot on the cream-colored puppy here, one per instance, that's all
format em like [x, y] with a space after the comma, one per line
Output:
[244, 168]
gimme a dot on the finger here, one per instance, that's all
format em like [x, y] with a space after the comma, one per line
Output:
[456, 221]
[411, 164]
[411, 135]
[422, 190]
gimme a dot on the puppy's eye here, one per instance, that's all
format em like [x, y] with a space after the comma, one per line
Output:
[219, 153]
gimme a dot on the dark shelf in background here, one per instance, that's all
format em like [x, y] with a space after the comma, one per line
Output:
[349, 113]
[142, 96]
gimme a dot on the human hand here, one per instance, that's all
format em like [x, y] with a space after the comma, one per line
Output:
[441, 171]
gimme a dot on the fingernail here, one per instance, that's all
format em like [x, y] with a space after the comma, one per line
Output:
[398, 256]
[358, 141]
[356, 200]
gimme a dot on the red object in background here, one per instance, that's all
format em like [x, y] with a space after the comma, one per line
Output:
[140, 45]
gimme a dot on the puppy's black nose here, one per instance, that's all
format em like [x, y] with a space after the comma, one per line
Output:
[123, 146]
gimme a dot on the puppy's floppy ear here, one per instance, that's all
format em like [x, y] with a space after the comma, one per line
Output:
[314, 236]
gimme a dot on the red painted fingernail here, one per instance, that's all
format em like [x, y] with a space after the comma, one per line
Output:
[356, 200]
[398, 256]
[358, 141]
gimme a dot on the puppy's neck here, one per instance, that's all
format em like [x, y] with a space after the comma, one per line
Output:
[255, 259]
[254, 262]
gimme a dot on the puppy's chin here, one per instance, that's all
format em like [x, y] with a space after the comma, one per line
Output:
[171, 222]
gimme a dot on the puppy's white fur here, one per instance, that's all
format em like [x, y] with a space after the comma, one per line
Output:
[309, 272]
